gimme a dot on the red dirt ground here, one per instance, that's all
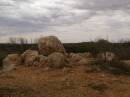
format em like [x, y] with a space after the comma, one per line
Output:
[70, 82]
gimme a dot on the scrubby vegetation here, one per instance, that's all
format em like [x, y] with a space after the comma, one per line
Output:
[114, 67]
[122, 50]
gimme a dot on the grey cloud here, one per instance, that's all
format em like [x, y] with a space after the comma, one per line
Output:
[22, 16]
[22, 26]
[104, 4]
[55, 17]
[62, 17]
[6, 3]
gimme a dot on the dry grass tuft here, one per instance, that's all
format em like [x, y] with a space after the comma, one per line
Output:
[98, 86]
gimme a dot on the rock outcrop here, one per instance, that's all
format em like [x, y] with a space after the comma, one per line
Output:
[51, 53]
[49, 45]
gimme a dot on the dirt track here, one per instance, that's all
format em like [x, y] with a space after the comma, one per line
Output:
[72, 82]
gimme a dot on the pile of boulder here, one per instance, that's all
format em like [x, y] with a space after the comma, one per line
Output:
[51, 53]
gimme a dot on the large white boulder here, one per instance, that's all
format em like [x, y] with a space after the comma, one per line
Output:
[11, 61]
[50, 44]
[56, 60]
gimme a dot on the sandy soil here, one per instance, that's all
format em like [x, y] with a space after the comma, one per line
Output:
[67, 82]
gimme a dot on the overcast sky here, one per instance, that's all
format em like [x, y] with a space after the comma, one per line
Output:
[70, 20]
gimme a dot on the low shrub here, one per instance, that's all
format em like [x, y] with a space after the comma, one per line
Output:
[115, 67]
